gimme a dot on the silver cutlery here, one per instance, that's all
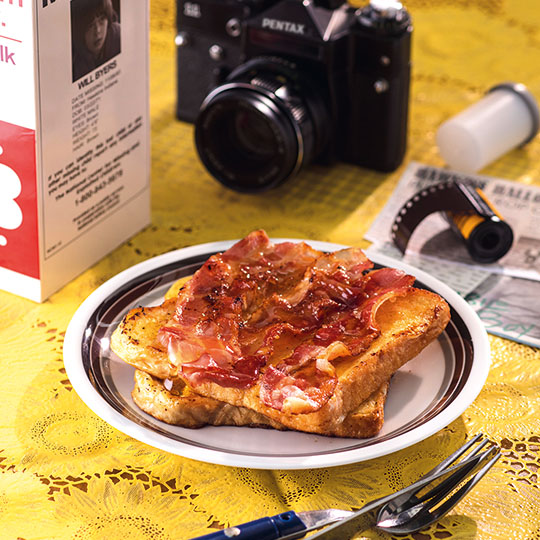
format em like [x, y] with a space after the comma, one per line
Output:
[410, 509]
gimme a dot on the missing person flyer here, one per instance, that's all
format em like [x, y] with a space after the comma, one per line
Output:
[74, 136]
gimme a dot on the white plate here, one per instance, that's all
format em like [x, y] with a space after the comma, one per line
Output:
[425, 395]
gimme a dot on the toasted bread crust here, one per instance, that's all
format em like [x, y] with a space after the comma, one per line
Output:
[181, 406]
[134, 340]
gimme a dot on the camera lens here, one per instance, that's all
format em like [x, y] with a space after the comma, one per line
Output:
[246, 141]
[257, 130]
[252, 134]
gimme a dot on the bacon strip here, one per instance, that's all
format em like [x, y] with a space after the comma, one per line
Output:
[287, 308]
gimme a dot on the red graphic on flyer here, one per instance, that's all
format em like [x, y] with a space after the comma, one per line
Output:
[19, 247]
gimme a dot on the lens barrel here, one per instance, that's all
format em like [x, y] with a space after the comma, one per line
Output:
[257, 130]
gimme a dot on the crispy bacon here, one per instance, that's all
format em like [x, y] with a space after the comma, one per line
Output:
[279, 315]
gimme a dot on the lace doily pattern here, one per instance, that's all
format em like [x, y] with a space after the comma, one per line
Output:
[66, 474]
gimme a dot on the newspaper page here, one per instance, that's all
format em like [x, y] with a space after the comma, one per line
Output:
[508, 307]
[504, 294]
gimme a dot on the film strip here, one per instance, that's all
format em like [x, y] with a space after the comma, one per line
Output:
[485, 233]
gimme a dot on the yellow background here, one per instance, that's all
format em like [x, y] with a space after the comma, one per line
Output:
[65, 474]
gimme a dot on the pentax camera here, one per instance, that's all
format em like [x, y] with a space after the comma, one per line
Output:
[273, 85]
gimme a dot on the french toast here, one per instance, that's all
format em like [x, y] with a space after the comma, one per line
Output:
[174, 402]
[279, 335]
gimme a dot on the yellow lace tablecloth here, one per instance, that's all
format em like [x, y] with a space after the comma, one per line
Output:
[66, 474]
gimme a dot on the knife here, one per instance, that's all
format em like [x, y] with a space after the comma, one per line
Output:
[285, 526]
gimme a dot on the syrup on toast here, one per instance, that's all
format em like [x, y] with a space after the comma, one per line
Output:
[174, 402]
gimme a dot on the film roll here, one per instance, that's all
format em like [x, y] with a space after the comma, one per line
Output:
[485, 233]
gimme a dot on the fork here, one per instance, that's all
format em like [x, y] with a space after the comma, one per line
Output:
[405, 515]
[409, 510]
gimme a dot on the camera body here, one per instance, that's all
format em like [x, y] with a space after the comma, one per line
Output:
[327, 80]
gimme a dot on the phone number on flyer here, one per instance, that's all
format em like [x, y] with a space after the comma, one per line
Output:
[99, 187]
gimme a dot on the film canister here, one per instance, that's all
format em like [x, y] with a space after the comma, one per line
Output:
[505, 118]
[471, 216]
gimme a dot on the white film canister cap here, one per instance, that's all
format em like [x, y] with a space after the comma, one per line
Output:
[505, 118]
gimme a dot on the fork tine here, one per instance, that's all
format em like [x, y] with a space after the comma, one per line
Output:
[403, 510]
[465, 488]
[462, 471]
[458, 453]
[408, 499]
[355, 522]
[422, 515]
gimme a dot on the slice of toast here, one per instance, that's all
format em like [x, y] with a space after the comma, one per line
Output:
[180, 406]
[408, 323]
[134, 342]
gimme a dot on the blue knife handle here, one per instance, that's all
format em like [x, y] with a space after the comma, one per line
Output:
[267, 528]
